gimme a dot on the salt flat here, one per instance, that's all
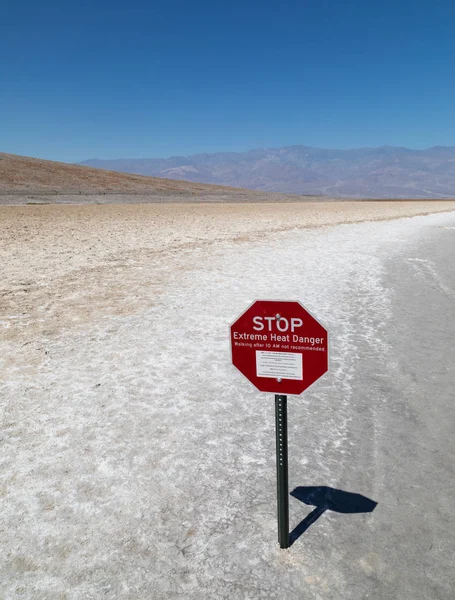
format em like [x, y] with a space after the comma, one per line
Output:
[137, 463]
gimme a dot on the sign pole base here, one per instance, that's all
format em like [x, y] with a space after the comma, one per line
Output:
[281, 421]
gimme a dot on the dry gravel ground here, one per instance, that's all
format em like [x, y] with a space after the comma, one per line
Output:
[137, 464]
[65, 265]
[50, 251]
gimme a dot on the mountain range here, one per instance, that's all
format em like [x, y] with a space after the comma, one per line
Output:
[384, 172]
[26, 180]
[22, 174]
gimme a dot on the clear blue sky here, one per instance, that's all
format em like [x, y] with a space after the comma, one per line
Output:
[108, 79]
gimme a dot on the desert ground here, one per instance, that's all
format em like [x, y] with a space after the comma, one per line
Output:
[137, 463]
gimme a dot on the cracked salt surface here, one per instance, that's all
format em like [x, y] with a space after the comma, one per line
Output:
[138, 463]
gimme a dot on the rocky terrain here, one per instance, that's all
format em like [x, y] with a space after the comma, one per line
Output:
[138, 464]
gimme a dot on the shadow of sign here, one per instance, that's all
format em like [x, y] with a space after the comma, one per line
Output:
[327, 498]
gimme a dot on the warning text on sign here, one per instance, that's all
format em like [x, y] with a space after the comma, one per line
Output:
[282, 365]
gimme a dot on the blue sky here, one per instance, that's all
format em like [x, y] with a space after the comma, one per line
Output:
[112, 79]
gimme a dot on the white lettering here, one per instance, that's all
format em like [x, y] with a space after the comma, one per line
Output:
[295, 323]
[283, 322]
[307, 340]
[258, 324]
[270, 319]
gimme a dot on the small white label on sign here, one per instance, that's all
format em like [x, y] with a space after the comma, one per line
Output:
[285, 365]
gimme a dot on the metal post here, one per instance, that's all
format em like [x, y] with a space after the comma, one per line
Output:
[281, 420]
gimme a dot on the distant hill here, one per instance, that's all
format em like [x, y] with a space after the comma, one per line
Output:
[22, 174]
[385, 172]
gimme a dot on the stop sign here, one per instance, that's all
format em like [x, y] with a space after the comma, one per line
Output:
[279, 346]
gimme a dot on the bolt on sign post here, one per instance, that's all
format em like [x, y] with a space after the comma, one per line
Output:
[282, 349]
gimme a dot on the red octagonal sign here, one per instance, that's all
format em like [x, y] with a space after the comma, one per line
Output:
[279, 346]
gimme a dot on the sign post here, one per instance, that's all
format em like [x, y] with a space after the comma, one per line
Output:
[282, 486]
[280, 348]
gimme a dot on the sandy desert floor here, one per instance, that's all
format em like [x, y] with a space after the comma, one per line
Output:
[136, 463]
[62, 266]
